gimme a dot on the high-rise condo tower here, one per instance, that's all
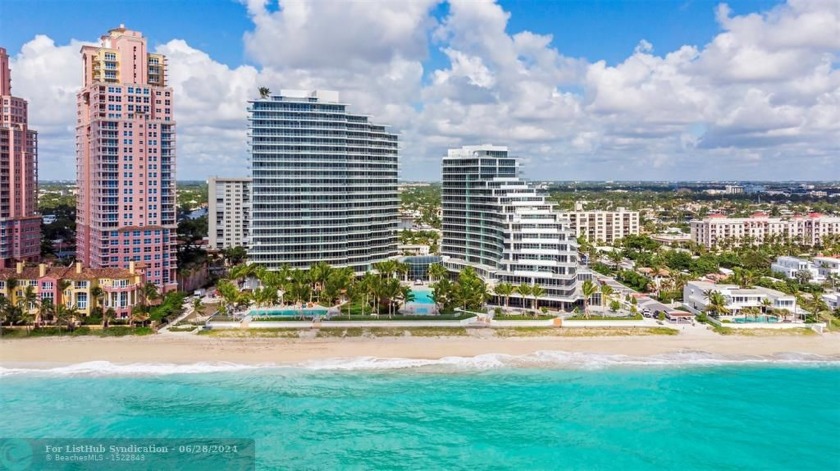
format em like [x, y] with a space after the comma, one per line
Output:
[324, 184]
[125, 159]
[501, 226]
[20, 226]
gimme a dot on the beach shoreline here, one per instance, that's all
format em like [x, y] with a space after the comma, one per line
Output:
[190, 349]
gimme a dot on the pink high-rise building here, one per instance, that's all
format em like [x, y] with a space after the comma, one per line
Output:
[20, 226]
[125, 159]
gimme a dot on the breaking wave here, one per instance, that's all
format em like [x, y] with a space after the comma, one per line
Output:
[541, 359]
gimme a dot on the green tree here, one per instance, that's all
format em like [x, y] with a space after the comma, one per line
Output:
[235, 255]
[504, 290]
[606, 293]
[46, 311]
[437, 271]
[536, 292]
[716, 303]
[588, 289]
[107, 317]
[524, 290]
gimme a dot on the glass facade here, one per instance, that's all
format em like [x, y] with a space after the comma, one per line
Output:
[504, 228]
[324, 183]
[418, 266]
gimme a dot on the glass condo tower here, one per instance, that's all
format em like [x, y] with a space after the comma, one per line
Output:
[324, 183]
[503, 227]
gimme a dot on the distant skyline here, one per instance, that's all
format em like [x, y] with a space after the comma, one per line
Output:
[581, 90]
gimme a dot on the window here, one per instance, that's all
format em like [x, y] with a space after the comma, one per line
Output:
[82, 300]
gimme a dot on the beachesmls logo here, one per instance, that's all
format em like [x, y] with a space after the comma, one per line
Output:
[15, 455]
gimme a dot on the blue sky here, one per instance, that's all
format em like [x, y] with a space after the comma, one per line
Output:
[624, 90]
[593, 29]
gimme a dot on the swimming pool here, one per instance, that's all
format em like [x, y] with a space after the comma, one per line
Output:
[762, 319]
[308, 312]
[423, 303]
[422, 296]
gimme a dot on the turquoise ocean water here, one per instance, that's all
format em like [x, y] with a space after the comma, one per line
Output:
[554, 411]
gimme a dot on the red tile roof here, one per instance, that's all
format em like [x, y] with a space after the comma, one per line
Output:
[66, 273]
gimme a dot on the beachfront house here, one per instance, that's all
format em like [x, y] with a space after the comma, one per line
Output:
[827, 267]
[74, 286]
[796, 268]
[696, 297]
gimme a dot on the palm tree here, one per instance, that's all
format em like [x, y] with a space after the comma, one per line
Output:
[470, 290]
[264, 92]
[524, 290]
[402, 268]
[437, 271]
[137, 316]
[536, 292]
[28, 317]
[64, 315]
[588, 289]
[606, 293]
[365, 287]
[29, 300]
[504, 289]
[821, 310]
[11, 284]
[197, 304]
[766, 305]
[96, 294]
[386, 268]
[227, 291]
[784, 313]
[318, 275]
[390, 292]
[45, 311]
[63, 286]
[107, 316]
[750, 311]
[716, 303]
[265, 296]
[13, 314]
[442, 292]
[149, 292]
[406, 295]
[4, 306]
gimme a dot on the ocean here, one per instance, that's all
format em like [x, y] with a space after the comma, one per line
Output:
[550, 410]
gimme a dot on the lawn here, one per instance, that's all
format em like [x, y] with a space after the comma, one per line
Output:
[579, 332]
[115, 331]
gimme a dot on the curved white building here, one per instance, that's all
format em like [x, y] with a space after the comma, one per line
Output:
[504, 228]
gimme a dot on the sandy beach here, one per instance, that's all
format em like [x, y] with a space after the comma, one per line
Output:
[185, 349]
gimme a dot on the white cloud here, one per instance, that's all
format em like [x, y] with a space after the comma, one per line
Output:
[48, 76]
[760, 100]
[324, 34]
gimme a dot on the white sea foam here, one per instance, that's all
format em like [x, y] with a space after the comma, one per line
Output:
[541, 359]
[566, 360]
[106, 368]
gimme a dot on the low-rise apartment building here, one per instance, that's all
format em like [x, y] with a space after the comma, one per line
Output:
[603, 227]
[808, 230]
[74, 286]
